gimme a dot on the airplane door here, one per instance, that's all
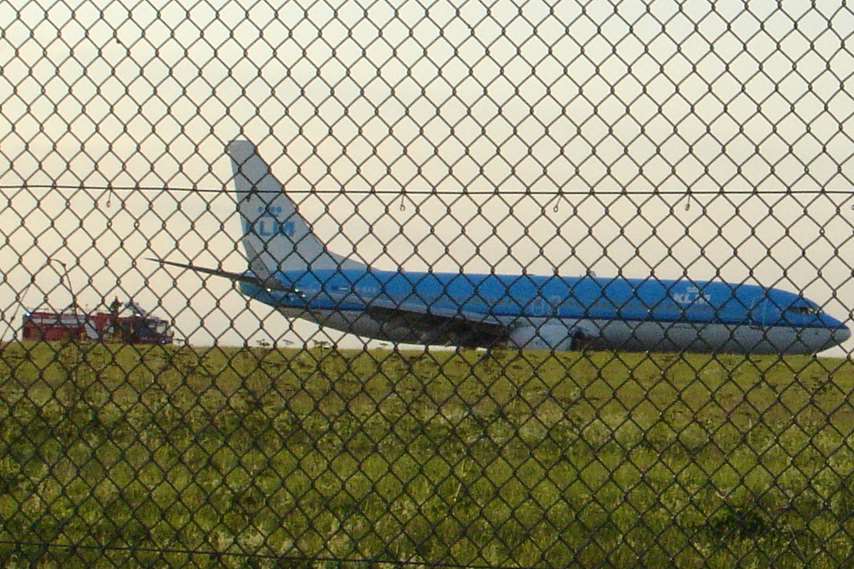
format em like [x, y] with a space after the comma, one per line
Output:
[539, 307]
[758, 313]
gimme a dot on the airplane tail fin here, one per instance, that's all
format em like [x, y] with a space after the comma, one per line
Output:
[275, 235]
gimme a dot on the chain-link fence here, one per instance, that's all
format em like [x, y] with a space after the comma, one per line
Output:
[440, 284]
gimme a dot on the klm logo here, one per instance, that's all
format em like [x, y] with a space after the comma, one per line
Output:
[268, 225]
[693, 295]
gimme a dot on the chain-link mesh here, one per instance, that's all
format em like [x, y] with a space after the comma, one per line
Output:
[550, 284]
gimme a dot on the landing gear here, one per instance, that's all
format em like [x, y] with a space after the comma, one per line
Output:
[580, 341]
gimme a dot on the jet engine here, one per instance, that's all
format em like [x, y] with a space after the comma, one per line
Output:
[546, 337]
[555, 336]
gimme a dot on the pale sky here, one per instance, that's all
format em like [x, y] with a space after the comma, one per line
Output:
[478, 97]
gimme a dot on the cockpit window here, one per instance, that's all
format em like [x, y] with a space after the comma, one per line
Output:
[804, 310]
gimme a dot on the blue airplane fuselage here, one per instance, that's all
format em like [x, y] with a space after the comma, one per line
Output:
[682, 313]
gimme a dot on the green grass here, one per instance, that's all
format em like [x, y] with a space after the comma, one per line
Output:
[517, 459]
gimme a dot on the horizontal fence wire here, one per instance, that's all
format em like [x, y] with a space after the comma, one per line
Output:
[226, 554]
[380, 191]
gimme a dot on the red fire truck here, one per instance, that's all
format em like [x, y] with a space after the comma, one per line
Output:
[131, 326]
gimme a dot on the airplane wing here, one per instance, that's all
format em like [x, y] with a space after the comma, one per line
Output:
[380, 305]
[430, 319]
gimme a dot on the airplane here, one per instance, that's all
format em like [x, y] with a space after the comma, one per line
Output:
[291, 269]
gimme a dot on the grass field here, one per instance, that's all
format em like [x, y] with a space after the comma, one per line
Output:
[516, 459]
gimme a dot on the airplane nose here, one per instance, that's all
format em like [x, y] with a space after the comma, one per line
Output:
[841, 335]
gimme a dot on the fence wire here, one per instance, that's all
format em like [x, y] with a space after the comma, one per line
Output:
[480, 284]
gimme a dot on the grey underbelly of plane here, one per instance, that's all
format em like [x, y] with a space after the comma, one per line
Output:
[573, 334]
[726, 338]
[657, 336]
